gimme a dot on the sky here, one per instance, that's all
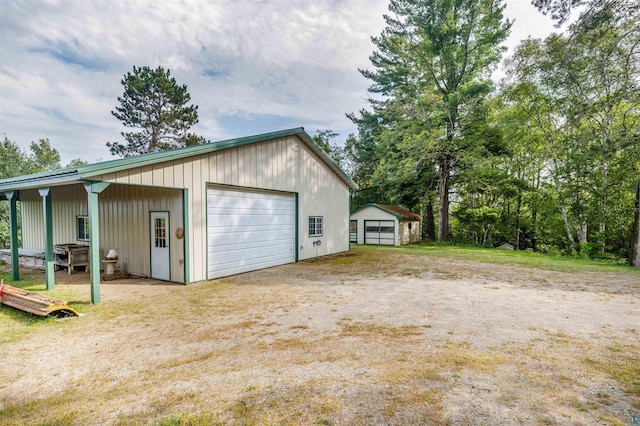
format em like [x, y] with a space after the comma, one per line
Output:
[251, 66]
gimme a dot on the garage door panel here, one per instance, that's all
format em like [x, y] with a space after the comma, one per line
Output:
[238, 201]
[226, 269]
[379, 232]
[248, 259]
[250, 221]
[237, 253]
[248, 209]
[261, 239]
[248, 231]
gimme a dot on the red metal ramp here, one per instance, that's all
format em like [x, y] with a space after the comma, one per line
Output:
[34, 303]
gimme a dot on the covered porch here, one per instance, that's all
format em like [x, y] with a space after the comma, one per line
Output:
[144, 223]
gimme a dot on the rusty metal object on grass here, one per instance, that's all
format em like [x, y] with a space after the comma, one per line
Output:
[34, 303]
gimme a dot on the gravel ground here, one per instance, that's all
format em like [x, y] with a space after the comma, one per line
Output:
[363, 339]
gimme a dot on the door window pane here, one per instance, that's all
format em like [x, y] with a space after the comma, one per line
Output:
[160, 232]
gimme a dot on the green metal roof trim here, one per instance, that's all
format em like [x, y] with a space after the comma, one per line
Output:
[91, 170]
[398, 212]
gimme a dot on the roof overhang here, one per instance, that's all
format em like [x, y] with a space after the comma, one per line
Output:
[87, 172]
[379, 207]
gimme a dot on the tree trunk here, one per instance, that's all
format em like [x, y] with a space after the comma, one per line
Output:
[534, 214]
[602, 226]
[567, 226]
[582, 232]
[563, 210]
[518, 210]
[444, 181]
[431, 224]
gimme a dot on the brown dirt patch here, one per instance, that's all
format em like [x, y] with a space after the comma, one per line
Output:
[377, 338]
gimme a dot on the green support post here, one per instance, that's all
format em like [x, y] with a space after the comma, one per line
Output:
[93, 189]
[49, 266]
[186, 241]
[12, 196]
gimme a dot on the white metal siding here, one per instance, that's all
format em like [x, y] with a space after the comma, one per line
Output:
[248, 230]
[124, 222]
[283, 164]
[373, 213]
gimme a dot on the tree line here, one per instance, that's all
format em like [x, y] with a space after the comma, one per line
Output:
[546, 160]
[40, 157]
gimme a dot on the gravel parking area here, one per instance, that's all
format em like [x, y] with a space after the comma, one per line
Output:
[368, 338]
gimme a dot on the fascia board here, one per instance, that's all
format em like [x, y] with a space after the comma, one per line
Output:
[38, 181]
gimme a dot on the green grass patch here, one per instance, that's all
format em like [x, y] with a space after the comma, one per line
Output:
[504, 257]
[16, 324]
[29, 280]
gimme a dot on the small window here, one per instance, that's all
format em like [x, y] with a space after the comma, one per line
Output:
[160, 228]
[409, 226]
[82, 225]
[315, 226]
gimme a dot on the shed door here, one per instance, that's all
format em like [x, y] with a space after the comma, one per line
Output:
[248, 230]
[379, 232]
[353, 231]
[160, 246]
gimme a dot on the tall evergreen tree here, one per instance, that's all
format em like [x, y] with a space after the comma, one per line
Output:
[155, 104]
[433, 65]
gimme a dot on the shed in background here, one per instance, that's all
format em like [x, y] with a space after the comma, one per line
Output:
[384, 225]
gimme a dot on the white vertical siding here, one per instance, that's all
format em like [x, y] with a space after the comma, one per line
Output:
[374, 213]
[402, 233]
[32, 220]
[283, 164]
[124, 221]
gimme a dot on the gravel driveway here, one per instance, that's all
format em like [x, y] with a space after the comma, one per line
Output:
[371, 338]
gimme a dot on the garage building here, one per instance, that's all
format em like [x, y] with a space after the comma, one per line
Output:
[190, 214]
[384, 225]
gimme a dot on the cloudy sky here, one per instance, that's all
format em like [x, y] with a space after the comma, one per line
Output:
[252, 66]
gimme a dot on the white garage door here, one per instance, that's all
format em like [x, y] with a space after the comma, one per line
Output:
[248, 230]
[379, 232]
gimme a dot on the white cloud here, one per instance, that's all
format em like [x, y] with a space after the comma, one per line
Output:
[293, 59]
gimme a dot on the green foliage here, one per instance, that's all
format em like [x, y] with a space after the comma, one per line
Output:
[324, 139]
[44, 155]
[578, 91]
[548, 164]
[16, 162]
[432, 68]
[77, 162]
[154, 103]
[559, 9]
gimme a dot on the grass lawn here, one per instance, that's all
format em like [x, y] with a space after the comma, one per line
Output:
[513, 257]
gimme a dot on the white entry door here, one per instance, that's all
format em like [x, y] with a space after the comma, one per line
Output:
[160, 246]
